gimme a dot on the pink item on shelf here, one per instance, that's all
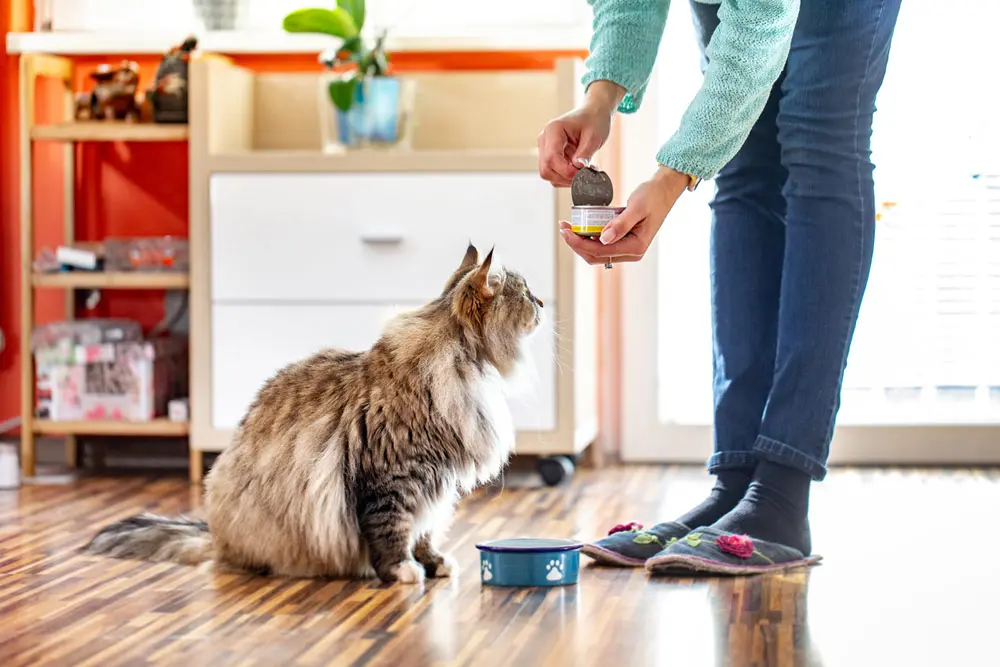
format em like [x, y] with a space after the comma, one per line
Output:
[130, 380]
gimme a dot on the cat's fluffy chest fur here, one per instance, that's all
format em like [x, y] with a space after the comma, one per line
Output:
[477, 408]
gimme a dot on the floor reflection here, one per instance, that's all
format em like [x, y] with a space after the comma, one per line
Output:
[763, 620]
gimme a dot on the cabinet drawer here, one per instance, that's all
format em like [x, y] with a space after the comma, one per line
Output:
[251, 342]
[373, 237]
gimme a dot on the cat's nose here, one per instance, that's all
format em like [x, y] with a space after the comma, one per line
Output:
[538, 301]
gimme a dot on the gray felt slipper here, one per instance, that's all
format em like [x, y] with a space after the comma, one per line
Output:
[712, 551]
[629, 545]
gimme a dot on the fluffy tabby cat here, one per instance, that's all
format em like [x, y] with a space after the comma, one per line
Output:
[349, 464]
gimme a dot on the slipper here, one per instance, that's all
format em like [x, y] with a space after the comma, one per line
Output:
[629, 545]
[712, 551]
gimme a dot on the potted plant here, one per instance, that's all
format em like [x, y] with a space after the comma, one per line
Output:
[369, 102]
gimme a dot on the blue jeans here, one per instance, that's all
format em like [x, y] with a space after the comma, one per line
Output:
[793, 228]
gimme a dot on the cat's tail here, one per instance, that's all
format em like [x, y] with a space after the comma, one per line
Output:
[154, 538]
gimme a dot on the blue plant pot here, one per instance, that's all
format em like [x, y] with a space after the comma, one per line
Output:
[374, 116]
[527, 561]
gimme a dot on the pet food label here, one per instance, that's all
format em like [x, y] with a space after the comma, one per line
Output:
[591, 221]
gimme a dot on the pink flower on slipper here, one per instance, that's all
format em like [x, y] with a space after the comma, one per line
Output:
[740, 546]
[625, 528]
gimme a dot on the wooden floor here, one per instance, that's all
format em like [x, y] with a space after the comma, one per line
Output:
[888, 593]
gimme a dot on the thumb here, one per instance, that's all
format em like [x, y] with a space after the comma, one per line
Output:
[589, 144]
[621, 225]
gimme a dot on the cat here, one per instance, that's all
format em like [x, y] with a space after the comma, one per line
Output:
[350, 464]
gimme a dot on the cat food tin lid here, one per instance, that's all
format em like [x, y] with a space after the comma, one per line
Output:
[591, 187]
[529, 545]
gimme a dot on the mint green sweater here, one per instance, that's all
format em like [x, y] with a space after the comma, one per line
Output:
[746, 56]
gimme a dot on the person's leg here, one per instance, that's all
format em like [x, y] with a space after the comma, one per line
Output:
[836, 66]
[747, 250]
[747, 247]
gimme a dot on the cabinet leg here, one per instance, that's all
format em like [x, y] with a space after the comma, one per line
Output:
[196, 461]
[72, 451]
[27, 451]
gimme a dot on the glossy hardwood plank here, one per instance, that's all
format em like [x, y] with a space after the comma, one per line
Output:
[884, 596]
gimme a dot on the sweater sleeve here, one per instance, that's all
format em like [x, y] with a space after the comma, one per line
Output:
[626, 39]
[746, 55]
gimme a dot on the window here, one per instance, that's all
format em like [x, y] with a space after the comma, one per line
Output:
[927, 347]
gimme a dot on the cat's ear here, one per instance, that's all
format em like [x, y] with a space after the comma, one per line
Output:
[468, 262]
[472, 299]
[480, 278]
[471, 258]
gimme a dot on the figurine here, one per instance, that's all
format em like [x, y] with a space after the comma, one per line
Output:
[169, 94]
[82, 106]
[113, 98]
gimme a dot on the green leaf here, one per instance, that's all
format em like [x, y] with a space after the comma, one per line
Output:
[644, 538]
[342, 92]
[356, 8]
[337, 22]
[694, 539]
[352, 45]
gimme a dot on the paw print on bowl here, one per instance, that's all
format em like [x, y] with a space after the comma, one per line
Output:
[487, 571]
[554, 571]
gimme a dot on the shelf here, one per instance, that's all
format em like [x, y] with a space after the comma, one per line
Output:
[122, 42]
[104, 130]
[377, 160]
[112, 280]
[157, 427]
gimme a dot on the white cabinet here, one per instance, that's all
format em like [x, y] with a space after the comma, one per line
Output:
[294, 249]
[306, 261]
[373, 237]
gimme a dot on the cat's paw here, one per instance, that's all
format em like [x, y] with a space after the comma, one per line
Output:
[448, 567]
[407, 572]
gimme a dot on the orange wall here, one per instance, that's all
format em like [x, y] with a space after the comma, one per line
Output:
[9, 283]
[128, 189]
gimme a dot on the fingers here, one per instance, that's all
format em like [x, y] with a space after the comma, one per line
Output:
[621, 225]
[553, 163]
[595, 252]
[589, 144]
[633, 245]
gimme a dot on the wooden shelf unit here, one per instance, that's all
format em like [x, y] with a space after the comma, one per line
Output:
[32, 68]
[119, 280]
[104, 130]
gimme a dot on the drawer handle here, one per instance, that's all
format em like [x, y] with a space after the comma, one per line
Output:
[382, 238]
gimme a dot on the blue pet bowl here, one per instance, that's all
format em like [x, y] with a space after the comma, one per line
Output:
[529, 561]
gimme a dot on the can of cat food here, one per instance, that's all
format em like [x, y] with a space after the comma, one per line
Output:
[590, 220]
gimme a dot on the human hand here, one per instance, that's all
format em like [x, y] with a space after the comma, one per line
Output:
[628, 236]
[569, 142]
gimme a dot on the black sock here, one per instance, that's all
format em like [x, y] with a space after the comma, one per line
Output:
[775, 508]
[730, 485]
